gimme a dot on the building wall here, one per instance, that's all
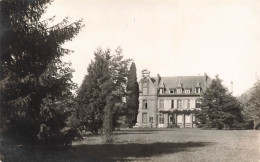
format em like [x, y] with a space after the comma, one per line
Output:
[160, 111]
[151, 97]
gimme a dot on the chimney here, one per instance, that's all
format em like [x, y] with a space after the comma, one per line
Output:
[158, 79]
[145, 73]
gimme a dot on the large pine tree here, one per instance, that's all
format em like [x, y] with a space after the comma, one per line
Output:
[35, 84]
[219, 108]
[132, 97]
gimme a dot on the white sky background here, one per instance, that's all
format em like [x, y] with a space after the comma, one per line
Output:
[169, 37]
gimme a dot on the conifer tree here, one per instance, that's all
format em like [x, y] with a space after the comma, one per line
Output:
[91, 101]
[100, 96]
[35, 84]
[132, 97]
[219, 108]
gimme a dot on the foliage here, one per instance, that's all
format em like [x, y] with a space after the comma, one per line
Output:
[251, 103]
[132, 97]
[219, 108]
[100, 96]
[35, 85]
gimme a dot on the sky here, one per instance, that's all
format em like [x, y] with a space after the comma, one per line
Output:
[169, 37]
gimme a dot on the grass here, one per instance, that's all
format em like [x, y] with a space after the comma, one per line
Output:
[164, 145]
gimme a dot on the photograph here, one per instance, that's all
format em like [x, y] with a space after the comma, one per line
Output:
[130, 80]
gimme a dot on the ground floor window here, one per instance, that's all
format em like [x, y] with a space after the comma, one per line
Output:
[144, 118]
[161, 118]
[170, 119]
[151, 119]
[179, 119]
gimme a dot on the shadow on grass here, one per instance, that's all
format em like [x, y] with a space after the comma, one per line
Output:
[110, 152]
[142, 131]
[104, 152]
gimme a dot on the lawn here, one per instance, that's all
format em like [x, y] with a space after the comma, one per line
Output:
[165, 145]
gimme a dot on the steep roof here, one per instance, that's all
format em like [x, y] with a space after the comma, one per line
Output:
[186, 82]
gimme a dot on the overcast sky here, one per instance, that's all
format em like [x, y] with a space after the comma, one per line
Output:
[169, 37]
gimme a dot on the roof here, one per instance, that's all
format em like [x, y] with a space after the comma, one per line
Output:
[185, 81]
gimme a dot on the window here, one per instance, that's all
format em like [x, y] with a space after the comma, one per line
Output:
[151, 119]
[171, 91]
[198, 103]
[197, 90]
[172, 103]
[179, 104]
[170, 119]
[145, 91]
[161, 103]
[188, 103]
[161, 119]
[145, 104]
[144, 118]
[179, 91]
[161, 91]
[187, 91]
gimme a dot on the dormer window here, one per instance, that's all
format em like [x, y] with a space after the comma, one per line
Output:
[171, 91]
[187, 91]
[179, 91]
[197, 90]
[161, 91]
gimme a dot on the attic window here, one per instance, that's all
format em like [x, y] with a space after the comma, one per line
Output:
[197, 90]
[171, 91]
[187, 91]
[161, 91]
[179, 91]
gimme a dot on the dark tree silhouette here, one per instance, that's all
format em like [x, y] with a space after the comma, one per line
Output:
[219, 108]
[35, 84]
[132, 97]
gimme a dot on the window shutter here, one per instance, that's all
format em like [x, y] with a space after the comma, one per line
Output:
[175, 103]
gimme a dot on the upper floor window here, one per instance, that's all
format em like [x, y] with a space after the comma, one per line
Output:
[187, 91]
[145, 91]
[161, 91]
[172, 103]
[171, 91]
[179, 104]
[179, 91]
[161, 103]
[145, 104]
[188, 103]
[198, 103]
[197, 90]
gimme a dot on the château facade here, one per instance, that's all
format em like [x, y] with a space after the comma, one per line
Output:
[166, 101]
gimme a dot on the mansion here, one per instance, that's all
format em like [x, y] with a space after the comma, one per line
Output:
[165, 101]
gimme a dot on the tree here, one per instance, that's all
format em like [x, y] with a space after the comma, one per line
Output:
[251, 104]
[90, 101]
[35, 85]
[219, 108]
[100, 96]
[132, 97]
